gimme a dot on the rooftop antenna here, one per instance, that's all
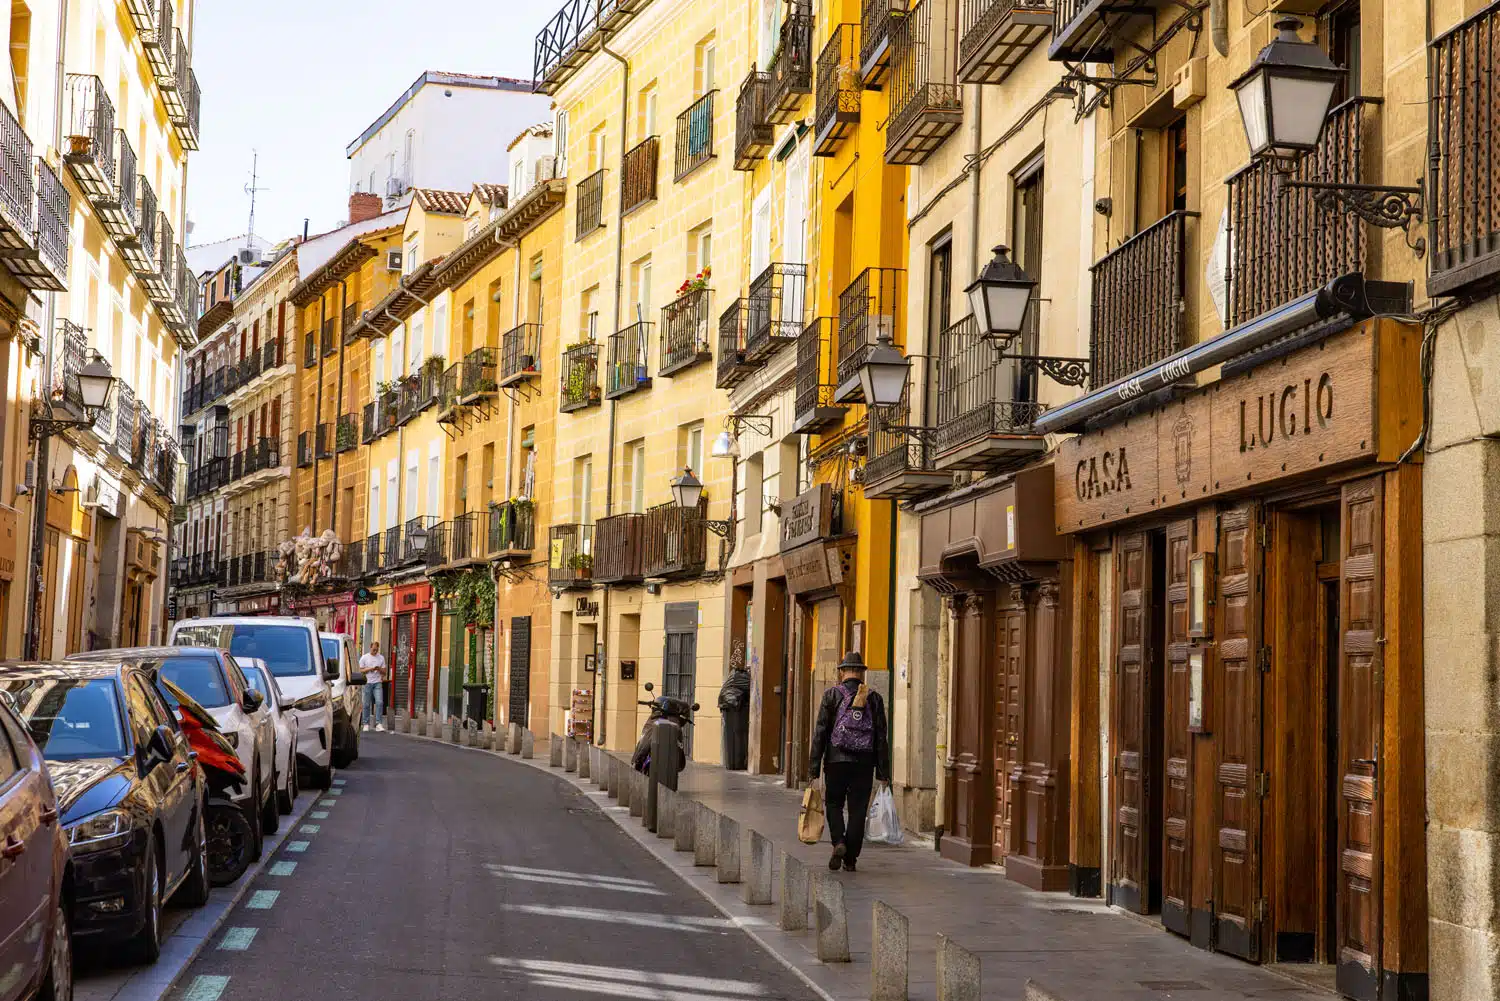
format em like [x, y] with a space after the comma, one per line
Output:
[251, 189]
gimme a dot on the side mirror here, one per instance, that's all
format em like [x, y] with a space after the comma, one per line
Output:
[253, 700]
[159, 746]
[330, 670]
[357, 678]
[650, 687]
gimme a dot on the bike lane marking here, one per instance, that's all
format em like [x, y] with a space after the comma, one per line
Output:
[297, 846]
[237, 939]
[205, 988]
[262, 900]
[282, 868]
[308, 829]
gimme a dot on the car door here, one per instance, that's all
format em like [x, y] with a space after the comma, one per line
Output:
[25, 867]
[166, 783]
[260, 721]
[183, 794]
[353, 694]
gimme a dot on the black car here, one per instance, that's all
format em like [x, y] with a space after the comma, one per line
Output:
[130, 794]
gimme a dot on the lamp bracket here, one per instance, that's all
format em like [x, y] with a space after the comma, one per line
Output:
[1385, 206]
[758, 423]
[44, 425]
[719, 528]
[1064, 371]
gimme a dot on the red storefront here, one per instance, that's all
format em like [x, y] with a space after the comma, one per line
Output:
[408, 638]
[336, 613]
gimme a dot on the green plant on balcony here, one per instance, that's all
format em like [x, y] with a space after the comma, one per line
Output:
[469, 595]
[697, 283]
[583, 562]
[387, 386]
[435, 365]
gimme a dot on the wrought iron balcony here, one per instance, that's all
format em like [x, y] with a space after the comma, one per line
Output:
[159, 279]
[250, 367]
[139, 248]
[734, 326]
[512, 529]
[685, 339]
[304, 450]
[926, 102]
[985, 408]
[407, 397]
[34, 211]
[328, 342]
[570, 556]
[791, 66]
[675, 541]
[271, 354]
[572, 35]
[479, 375]
[1464, 226]
[160, 44]
[391, 551]
[814, 409]
[187, 125]
[264, 455]
[409, 553]
[695, 136]
[590, 205]
[629, 350]
[1138, 300]
[374, 554]
[1087, 30]
[777, 299]
[17, 186]
[520, 351]
[349, 319]
[752, 128]
[324, 449]
[90, 153]
[346, 433]
[619, 549]
[127, 414]
[369, 423]
[836, 106]
[438, 548]
[119, 214]
[352, 560]
[448, 394]
[236, 466]
[995, 36]
[580, 378]
[638, 174]
[1286, 244]
[899, 465]
[870, 306]
[878, 18]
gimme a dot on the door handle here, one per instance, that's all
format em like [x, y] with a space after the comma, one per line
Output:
[13, 847]
[49, 815]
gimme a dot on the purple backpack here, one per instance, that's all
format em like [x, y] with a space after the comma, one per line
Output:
[854, 726]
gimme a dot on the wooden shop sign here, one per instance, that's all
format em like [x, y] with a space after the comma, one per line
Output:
[808, 517]
[1319, 408]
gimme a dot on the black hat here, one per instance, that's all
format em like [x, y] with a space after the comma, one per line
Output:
[853, 661]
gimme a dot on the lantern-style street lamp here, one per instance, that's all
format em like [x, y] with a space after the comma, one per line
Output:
[1286, 94]
[1000, 297]
[883, 375]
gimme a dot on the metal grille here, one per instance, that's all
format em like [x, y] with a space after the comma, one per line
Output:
[520, 669]
[976, 394]
[125, 418]
[590, 205]
[1282, 244]
[147, 234]
[126, 209]
[91, 132]
[876, 19]
[836, 105]
[479, 372]
[926, 104]
[346, 435]
[776, 300]
[675, 541]
[639, 174]
[420, 659]
[893, 452]
[17, 184]
[1137, 311]
[463, 536]
[52, 210]
[791, 67]
[870, 306]
[580, 377]
[752, 129]
[571, 554]
[684, 331]
[520, 348]
[628, 352]
[733, 365]
[558, 43]
[814, 362]
[1463, 196]
[695, 135]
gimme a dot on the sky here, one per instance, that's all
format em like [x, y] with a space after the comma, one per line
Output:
[297, 80]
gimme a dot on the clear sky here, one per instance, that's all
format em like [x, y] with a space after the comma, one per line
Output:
[297, 80]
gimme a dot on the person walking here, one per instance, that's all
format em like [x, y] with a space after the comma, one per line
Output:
[373, 696]
[851, 743]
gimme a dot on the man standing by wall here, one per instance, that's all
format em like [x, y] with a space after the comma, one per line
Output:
[373, 665]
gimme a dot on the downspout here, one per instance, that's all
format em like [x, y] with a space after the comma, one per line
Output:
[338, 411]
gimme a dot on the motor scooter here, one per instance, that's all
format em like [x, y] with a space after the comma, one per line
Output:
[665, 711]
[230, 838]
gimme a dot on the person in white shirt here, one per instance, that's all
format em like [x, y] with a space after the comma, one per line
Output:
[373, 665]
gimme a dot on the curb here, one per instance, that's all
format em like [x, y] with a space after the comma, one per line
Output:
[571, 779]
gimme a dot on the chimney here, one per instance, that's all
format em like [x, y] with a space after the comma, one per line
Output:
[364, 205]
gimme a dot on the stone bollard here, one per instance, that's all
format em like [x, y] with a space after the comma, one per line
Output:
[465, 737]
[528, 744]
[624, 785]
[727, 857]
[757, 888]
[706, 837]
[595, 775]
[491, 738]
[453, 729]
[889, 954]
[793, 916]
[611, 776]
[666, 812]
[637, 794]
[555, 753]
[434, 728]
[832, 919]
[570, 755]
[404, 722]
[958, 975]
[684, 823]
[390, 720]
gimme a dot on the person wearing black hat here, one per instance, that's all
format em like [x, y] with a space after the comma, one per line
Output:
[851, 740]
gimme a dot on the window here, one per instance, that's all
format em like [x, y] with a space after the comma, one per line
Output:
[645, 112]
[583, 490]
[373, 517]
[534, 298]
[434, 479]
[398, 353]
[1161, 172]
[440, 329]
[413, 468]
[461, 485]
[939, 308]
[517, 179]
[560, 141]
[414, 346]
[392, 515]
[754, 472]
[69, 718]
[588, 313]
[703, 67]
[770, 27]
[598, 144]
[487, 473]
[377, 370]
[640, 290]
[635, 472]
[690, 448]
[700, 249]
[760, 233]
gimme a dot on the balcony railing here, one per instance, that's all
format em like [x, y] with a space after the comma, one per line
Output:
[629, 350]
[619, 551]
[520, 351]
[1087, 29]
[870, 306]
[734, 325]
[638, 174]
[72, 350]
[685, 339]
[271, 354]
[324, 448]
[304, 450]
[995, 36]
[479, 375]
[695, 136]
[777, 299]
[1138, 300]
[391, 551]
[346, 433]
[590, 205]
[352, 560]
[877, 20]
[752, 129]
[264, 454]
[567, 40]
[926, 103]
[465, 537]
[159, 280]
[161, 53]
[836, 106]
[512, 528]
[1464, 215]
[1283, 244]
[236, 466]
[814, 410]
[369, 423]
[349, 319]
[675, 541]
[120, 212]
[437, 545]
[17, 185]
[448, 393]
[570, 556]
[580, 378]
[91, 137]
[791, 67]
[409, 551]
[34, 213]
[983, 413]
[374, 555]
[126, 415]
[900, 464]
[187, 125]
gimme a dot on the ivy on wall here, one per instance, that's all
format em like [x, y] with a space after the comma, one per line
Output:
[469, 595]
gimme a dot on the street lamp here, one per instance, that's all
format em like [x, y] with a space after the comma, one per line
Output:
[883, 375]
[418, 539]
[687, 490]
[95, 383]
[726, 446]
[1001, 297]
[1286, 94]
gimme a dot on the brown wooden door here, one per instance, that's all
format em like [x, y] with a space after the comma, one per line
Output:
[971, 809]
[1134, 872]
[1237, 858]
[1177, 742]
[1362, 590]
[1011, 640]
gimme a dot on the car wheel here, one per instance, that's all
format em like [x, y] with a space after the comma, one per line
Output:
[194, 890]
[230, 840]
[59, 983]
[146, 945]
[343, 741]
[270, 816]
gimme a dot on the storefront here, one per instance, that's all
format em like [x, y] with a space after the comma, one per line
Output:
[252, 604]
[1247, 692]
[336, 612]
[408, 641]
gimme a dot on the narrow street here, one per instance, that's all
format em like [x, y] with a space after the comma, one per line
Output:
[435, 873]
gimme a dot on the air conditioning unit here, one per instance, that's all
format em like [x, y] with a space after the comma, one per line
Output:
[393, 260]
[395, 187]
[247, 255]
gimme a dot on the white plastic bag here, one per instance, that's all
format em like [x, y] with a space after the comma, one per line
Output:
[882, 825]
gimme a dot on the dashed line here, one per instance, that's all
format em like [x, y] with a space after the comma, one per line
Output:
[335, 792]
[309, 829]
[328, 802]
[282, 868]
[319, 815]
[237, 939]
[339, 782]
[261, 900]
[297, 846]
[206, 988]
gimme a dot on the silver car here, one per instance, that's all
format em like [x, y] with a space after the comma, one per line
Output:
[258, 674]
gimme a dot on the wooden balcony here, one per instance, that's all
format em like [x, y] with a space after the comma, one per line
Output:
[1138, 301]
[837, 102]
[870, 306]
[676, 542]
[926, 102]
[997, 34]
[1464, 225]
[814, 411]
[752, 128]
[570, 556]
[685, 326]
[791, 65]
[619, 549]
[983, 416]
[877, 19]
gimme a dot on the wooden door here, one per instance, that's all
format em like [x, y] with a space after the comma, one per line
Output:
[1134, 867]
[1009, 696]
[1238, 901]
[520, 669]
[1358, 928]
[970, 820]
[1177, 741]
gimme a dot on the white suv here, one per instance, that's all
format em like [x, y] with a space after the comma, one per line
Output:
[291, 648]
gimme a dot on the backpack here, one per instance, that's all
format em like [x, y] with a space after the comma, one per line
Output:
[854, 725]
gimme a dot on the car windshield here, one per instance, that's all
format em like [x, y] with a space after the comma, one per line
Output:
[258, 682]
[200, 677]
[284, 648]
[69, 718]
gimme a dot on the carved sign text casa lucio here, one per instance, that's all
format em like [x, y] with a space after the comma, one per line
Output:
[1101, 475]
[1289, 410]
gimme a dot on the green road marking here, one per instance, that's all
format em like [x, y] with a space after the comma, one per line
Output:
[328, 802]
[283, 868]
[206, 989]
[261, 900]
[237, 939]
[319, 815]
[309, 828]
[297, 846]
[335, 792]
[339, 782]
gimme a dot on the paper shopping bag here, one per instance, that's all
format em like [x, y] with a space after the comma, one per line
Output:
[810, 819]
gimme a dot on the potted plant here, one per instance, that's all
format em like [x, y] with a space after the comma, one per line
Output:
[697, 283]
[435, 365]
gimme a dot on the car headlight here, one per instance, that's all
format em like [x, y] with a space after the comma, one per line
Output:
[316, 700]
[107, 829]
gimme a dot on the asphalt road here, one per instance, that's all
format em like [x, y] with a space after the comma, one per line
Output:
[439, 874]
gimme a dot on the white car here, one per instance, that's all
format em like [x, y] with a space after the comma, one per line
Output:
[338, 649]
[291, 649]
[259, 676]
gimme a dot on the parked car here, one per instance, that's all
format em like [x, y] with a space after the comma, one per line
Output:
[36, 952]
[338, 649]
[130, 794]
[259, 676]
[291, 648]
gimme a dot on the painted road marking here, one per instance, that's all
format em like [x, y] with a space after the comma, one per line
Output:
[319, 815]
[339, 782]
[328, 802]
[283, 868]
[335, 792]
[206, 989]
[309, 828]
[237, 939]
[297, 846]
[261, 900]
